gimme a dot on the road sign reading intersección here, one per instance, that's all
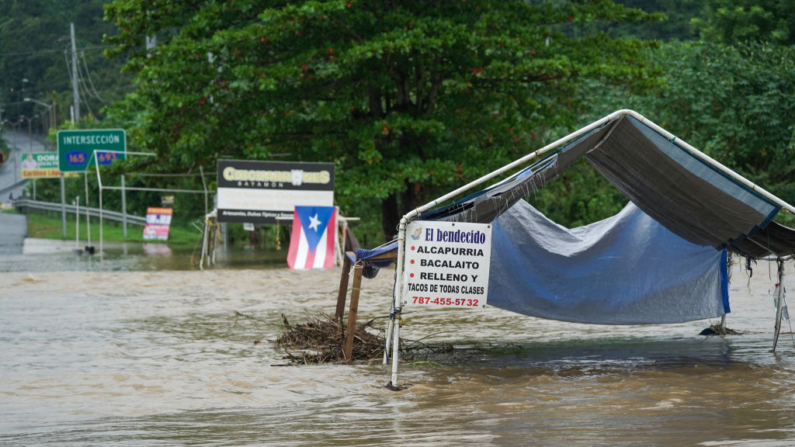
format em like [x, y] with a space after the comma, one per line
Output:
[76, 148]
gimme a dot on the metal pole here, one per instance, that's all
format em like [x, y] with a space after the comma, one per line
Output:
[388, 339]
[204, 185]
[398, 303]
[34, 189]
[395, 354]
[123, 208]
[779, 302]
[16, 154]
[204, 243]
[75, 74]
[100, 222]
[30, 136]
[77, 222]
[88, 217]
[63, 207]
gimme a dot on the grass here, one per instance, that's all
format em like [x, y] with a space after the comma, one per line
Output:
[46, 227]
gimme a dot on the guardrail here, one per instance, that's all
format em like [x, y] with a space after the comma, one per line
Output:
[26, 205]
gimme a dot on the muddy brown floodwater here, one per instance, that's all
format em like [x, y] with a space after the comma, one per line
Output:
[114, 357]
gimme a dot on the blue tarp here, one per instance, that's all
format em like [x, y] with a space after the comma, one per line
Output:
[365, 254]
[627, 269]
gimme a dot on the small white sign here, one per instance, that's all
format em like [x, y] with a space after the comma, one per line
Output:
[447, 264]
[248, 226]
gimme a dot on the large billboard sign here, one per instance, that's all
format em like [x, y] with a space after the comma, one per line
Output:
[76, 148]
[260, 191]
[39, 165]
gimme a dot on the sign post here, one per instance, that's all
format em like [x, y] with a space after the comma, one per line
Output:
[123, 208]
[447, 264]
[63, 207]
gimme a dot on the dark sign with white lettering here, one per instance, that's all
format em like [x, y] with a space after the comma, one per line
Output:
[261, 191]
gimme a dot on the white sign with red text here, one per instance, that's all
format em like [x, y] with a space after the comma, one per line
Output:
[447, 264]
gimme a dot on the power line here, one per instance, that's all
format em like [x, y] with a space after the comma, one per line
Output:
[91, 82]
[30, 53]
[144, 174]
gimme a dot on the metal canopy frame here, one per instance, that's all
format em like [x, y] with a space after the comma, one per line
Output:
[148, 154]
[393, 331]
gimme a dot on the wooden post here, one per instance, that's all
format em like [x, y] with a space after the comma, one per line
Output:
[346, 271]
[357, 282]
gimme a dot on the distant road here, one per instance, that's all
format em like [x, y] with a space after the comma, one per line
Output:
[13, 229]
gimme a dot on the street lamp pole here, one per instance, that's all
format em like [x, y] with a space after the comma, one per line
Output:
[51, 120]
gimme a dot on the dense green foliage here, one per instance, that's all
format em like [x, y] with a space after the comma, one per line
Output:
[33, 37]
[408, 98]
[414, 98]
[739, 21]
[678, 24]
[737, 104]
[734, 102]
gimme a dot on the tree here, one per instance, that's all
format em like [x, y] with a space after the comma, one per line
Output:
[737, 104]
[677, 26]
[408, 98]
[739, 21]
[34, 35]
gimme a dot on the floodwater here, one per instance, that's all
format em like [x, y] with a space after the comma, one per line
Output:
[112, 353]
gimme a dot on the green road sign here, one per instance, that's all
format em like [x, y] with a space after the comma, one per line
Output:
[76, 148]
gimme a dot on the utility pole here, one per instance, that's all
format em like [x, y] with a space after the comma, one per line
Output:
[75, 74]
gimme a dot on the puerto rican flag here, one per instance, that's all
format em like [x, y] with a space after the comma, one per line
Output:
[312, 242]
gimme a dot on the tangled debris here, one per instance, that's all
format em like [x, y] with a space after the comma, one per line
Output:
[321, 338]
[717, 329]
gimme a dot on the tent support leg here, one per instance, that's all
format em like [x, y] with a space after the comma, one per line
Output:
[397, 304]
[393, 383]
[779, 302]
[343, 291]
[723, 325]
[389, 328]
[204, 244]
[357, 282]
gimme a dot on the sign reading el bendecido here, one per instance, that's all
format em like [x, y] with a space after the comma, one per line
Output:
[76, 148]
[260, 191]
[447, 264]
[39, 165]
